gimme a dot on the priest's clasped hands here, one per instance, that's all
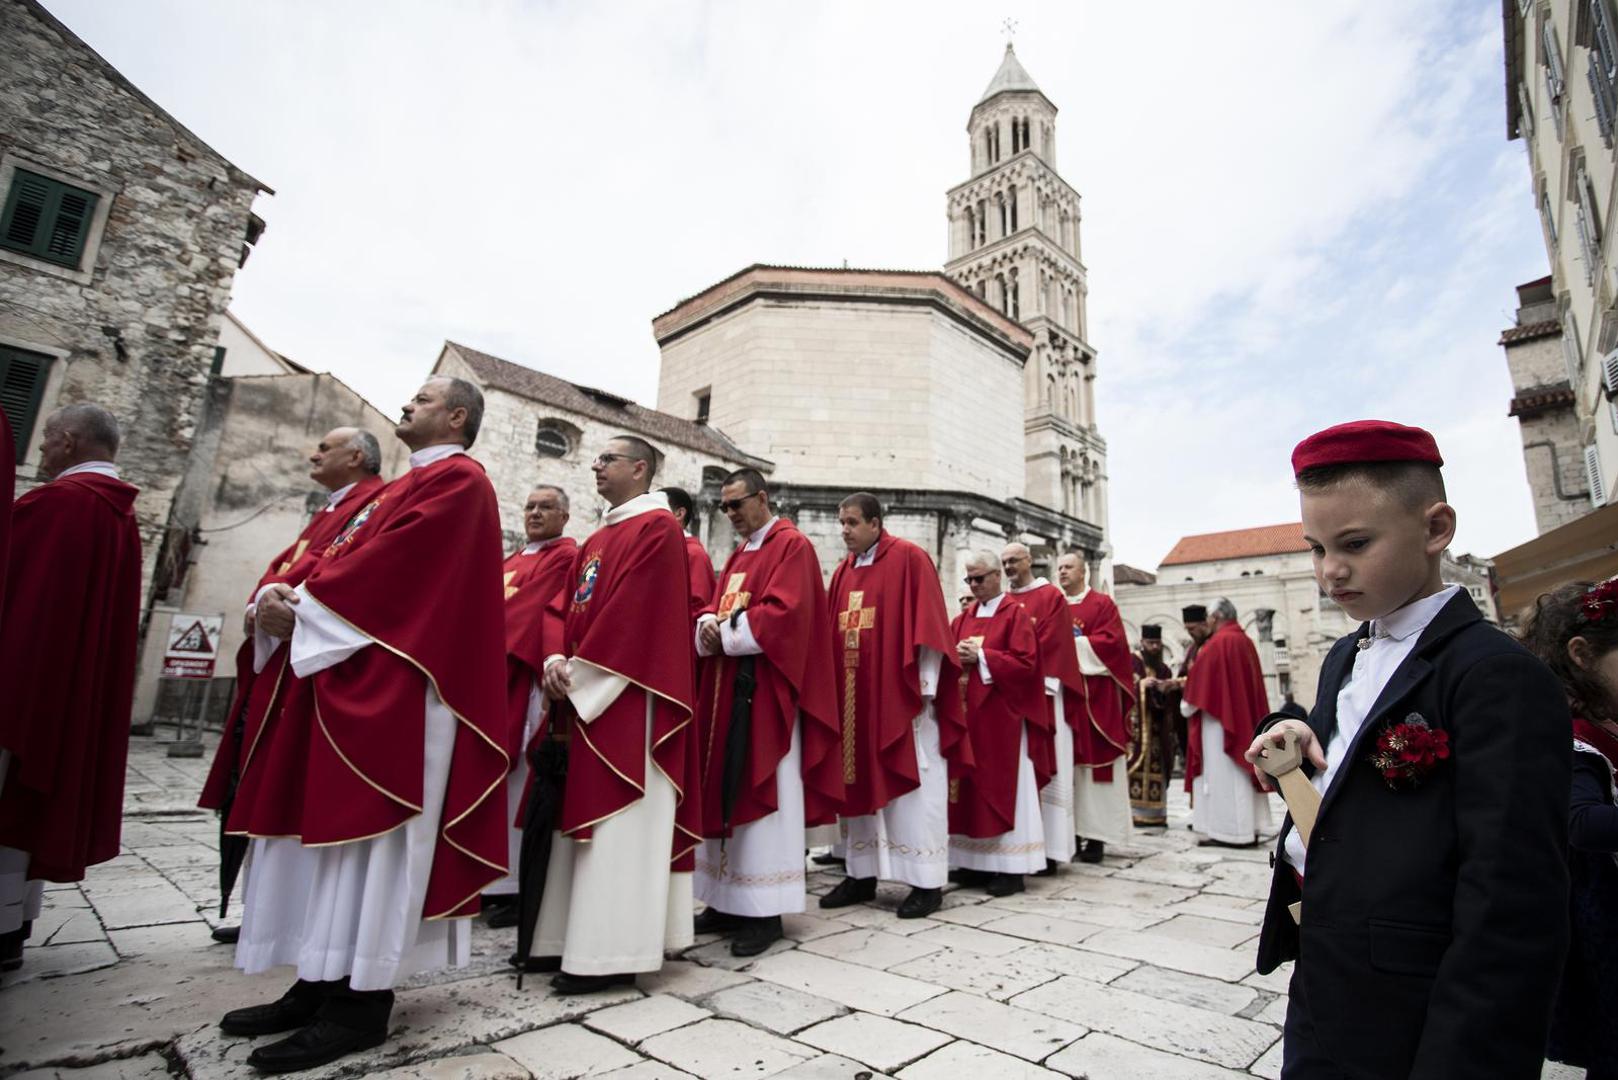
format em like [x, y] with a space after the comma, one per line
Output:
[558, 679]
[1308, 745]
[274, 614]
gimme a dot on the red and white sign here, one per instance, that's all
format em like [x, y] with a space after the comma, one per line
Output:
[193, 646]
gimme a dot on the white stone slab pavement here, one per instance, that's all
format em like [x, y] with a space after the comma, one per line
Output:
[1139, 967]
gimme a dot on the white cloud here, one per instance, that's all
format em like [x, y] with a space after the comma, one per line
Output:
[1295, 214]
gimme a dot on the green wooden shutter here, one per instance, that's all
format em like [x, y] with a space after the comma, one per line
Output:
[46, 218]
[22, 384]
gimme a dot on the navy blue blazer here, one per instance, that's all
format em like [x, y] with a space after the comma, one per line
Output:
[1435, 919]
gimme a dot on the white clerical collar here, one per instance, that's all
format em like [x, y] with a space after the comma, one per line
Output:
[1414, 616]
[640, 504]
[337, 496]
[988, 607]
[868, 556]
[1079, 599]
[429, 454]
[534, 547]
[99, 468]
[1037, 583]
[756, 541]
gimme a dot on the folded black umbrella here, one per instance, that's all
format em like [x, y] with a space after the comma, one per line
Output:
[738, 740]
[547, 762]
[232, 849]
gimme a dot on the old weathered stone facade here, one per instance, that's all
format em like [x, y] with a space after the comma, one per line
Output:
[1543, 401]
[120, 301]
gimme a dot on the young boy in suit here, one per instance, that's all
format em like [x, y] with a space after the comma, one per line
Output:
[1434, 893]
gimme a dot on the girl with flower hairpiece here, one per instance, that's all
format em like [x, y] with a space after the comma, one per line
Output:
[1574, 630]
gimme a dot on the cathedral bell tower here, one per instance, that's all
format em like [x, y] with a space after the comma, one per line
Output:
[1014, 240]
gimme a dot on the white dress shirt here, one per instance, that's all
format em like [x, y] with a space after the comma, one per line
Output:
[1392, 638]
[99, 468]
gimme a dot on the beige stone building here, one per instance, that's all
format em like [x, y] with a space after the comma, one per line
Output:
[1267, 572]
[1562, 102]
[1542, 366]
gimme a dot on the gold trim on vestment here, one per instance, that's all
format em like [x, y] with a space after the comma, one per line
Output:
[264, 723]
[321, 720]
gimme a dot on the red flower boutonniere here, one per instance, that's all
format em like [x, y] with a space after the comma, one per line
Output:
[1407, 751]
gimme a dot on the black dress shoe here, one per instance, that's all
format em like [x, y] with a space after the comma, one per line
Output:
[714, 921]
[1049, 871]
[850, 891]
[1209, 841]
[503, 917]
[827, 859]
[757, 935]
[226, 935]
[566, 983]
[1005, 885]
[1092, 851]
[921, 903]
[292, 1010]
[970, 878]
[321, 1042]
[11, 943]
[532, 964]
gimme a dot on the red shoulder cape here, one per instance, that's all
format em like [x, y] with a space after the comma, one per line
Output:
[983, 798]
[628, 612]
[67, 671]
[258, 696]
[883, 672]
[532, 584]
[1226, 681]
[1107, 698]
[779, 587]
[417, 570]
[699, 571]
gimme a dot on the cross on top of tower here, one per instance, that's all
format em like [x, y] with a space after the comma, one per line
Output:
[1010, 27]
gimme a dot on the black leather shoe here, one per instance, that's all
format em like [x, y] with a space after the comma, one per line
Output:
[1092, 851]
[564, 983]
[921, 903]
[293, 1010]
[11, 943]
[827, 859]
[714, 921]
[970, 878]
[502, 917]
[226, 935]
[532, 964]
[1049, 871]
[850, 891]
[1005, 885]
[757, 935]
[318, 1044]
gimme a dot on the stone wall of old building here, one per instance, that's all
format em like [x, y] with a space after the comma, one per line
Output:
[253, 458]
[134, 324]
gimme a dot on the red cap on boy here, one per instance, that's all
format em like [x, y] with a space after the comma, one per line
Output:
[1362, 442]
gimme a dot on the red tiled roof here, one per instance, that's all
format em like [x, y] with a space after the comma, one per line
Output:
[1538, 399]
[1238, 544]
[602, 405]
[1530, 331]
[1124, 574]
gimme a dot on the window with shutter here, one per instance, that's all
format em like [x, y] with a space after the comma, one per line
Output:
[1593, 477]
[22, 384]
[1586, 245]
[46, 218]
[1602, 94]
[1553, 58]
[1525, 112]
[1606, 45]
[1549, 218]
[1587, 196]
[1570, 350]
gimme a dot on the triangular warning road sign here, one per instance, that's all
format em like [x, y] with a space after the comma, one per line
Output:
[194, 640]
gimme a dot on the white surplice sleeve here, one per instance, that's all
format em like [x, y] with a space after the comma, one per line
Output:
[319, 638]
[929, 661]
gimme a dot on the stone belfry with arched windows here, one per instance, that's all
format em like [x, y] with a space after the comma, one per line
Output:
[1014, 241]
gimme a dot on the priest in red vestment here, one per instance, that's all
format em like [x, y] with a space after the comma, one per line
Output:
[699, 564]
[67, 666]
[1224, 701]
[534, 574]
[374, 793]
[772, 754]
[901, 736]
[996, 832]
[1101, 737]
[346, 463]
[1056, 746]
[618, 884]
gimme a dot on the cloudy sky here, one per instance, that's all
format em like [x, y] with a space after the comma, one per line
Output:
[1294, 214]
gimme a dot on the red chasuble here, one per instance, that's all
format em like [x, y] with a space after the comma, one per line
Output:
[627, 611]
[1227, 682]
[67, 671]
[983, 798]
[532, 585]
[418, 571]
[1107, 698]
[8, 477]
[881, 616]
[1057, 660]
[779, 588]
[699, 572]
[258, 696]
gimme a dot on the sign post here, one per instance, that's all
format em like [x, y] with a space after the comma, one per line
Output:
[193, 649]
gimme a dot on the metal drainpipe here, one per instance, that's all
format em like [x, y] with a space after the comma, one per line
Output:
[1556, 472]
